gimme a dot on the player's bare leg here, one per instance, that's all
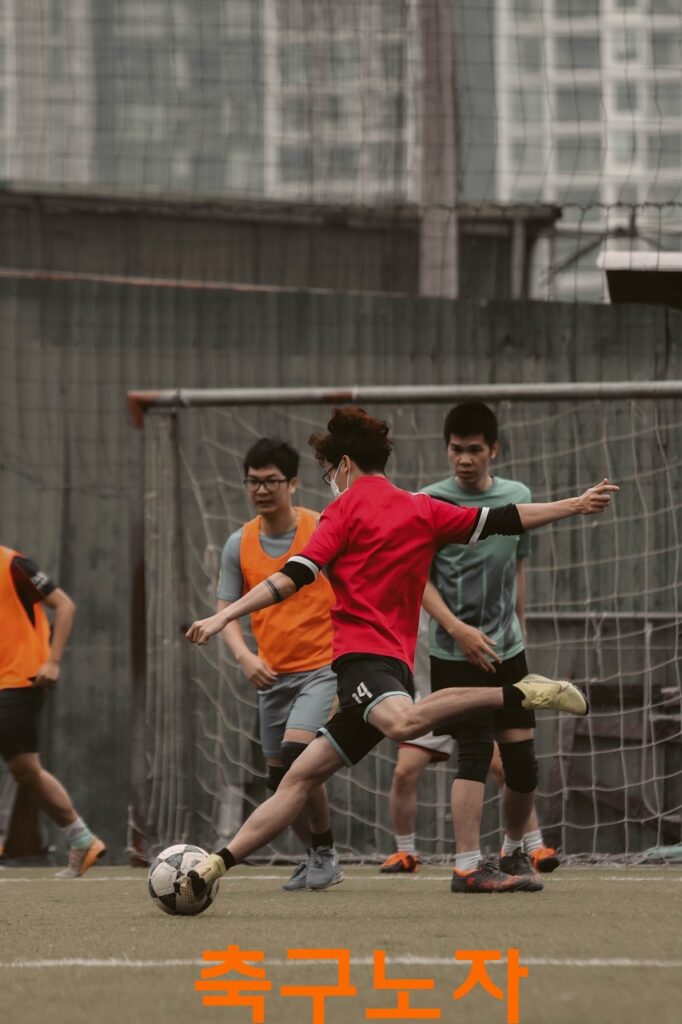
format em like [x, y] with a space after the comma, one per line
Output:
[466, 799]
[316, 764]
[321, 868]
[410, 766]
[48, 792]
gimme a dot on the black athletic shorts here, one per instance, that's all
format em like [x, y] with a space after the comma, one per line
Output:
[19, 710]
[463, 673]
[363, 681]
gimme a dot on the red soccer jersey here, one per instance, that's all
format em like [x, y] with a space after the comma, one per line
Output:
[377, 542]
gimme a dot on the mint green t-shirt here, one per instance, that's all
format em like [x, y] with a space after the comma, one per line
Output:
[478, 583]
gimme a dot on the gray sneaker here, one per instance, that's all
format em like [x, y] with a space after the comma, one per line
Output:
[323, 869]
[298, 879]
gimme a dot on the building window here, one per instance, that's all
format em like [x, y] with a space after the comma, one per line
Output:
[623, 146]
[624, 44]
[665, 7]
[295, 64]
[386, 161]
[626, 97]
[296, 164]
[577, 51]
[526, 105]
[574, 104]
[578, 154]
[666, 99]
[576, 8]
[295, 114]
[528, 156]
[342, 163]
[664, 150]
[529, 53]
[527, 8]
[665, 50]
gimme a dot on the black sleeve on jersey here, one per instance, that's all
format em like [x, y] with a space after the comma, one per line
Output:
[30, 583]
[300, 574]
[505, 520]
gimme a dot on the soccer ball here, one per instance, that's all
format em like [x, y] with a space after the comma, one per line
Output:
[167, 869]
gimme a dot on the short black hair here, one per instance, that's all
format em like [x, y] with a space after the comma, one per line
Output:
[353, 432]
[469, 418]
[270, 451]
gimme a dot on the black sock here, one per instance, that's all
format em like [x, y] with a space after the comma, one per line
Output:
[512, 698]
[322, 839]
[228, 859]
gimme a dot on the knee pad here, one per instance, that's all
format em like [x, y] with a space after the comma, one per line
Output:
[275, 774]
[474, 757]
[289, 752]
[520, 766]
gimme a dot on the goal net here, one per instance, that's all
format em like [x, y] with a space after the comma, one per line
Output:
[603, 609]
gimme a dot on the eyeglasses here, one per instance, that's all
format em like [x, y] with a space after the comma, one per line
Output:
[270, 483]
[326, 476]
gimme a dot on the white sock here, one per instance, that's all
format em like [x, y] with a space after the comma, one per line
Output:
[406, 844]
[77, 834]
[510, 846]
[468, 861]
[533, 841]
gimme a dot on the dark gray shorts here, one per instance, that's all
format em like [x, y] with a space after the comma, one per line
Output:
[298, 700]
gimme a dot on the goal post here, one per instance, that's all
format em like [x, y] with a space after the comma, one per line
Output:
[603, 608]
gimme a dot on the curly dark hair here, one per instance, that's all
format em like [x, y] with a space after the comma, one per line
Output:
[353, 432]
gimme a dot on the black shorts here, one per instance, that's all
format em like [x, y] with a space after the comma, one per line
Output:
[19, 710]
[463, 673]
[363, 681]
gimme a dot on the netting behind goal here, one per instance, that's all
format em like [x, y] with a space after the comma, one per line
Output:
[603, 608]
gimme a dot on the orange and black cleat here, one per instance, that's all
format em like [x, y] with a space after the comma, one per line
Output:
[545, 859]
[400, 863]
[487, 877]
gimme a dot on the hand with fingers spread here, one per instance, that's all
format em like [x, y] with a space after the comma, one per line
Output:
[476, 646]
[596, 499]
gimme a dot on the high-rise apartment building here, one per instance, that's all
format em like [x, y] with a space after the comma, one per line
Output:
[291, 99]
[589, 107]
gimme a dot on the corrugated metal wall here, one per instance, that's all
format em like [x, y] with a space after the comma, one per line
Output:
[70, 350]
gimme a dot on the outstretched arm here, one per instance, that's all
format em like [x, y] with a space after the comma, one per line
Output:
[274, 589]
[595, 500]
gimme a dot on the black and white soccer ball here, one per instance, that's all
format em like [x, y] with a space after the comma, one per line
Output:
[167, 869]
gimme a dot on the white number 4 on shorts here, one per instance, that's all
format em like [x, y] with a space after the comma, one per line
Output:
[360, 692]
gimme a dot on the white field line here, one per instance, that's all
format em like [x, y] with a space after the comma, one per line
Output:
[673, 876]
[359, 961]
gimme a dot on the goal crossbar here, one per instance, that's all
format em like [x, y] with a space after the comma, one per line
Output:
[141, 401]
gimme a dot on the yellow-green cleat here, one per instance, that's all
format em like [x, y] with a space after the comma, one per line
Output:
[553, 694]
[200, 879]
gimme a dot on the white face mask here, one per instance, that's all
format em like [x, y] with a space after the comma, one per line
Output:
[334, 487]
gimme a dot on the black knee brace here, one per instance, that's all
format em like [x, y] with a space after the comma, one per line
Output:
[276, 773]
[289, 752]
[520, 766]
[474, 757]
